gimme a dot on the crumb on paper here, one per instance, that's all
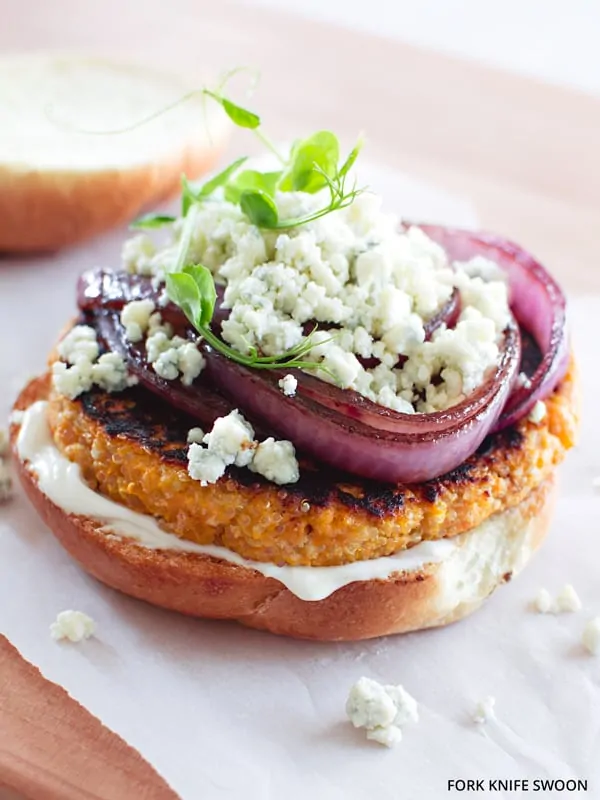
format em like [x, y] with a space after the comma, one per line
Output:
[388, 736]
[3, 441]
[381, 710]
[543, 602]
[591, 636]
[566, 601]
[72, 625]
[484, 710]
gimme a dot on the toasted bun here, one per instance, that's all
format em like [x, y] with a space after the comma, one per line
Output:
[203, 586]
[61, 178]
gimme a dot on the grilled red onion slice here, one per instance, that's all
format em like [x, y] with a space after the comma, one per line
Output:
[347, 431]
[200, 400]
[344, 429]
[536, 301]
[111, 289]
[338, 427]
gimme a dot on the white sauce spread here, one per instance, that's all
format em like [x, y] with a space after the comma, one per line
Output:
[60, 480]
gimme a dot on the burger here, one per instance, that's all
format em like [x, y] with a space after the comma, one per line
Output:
[298, 412]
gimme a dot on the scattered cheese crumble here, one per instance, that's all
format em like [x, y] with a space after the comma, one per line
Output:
[591, 636]
[204, 466]
[172, 356]
[137, 255]
[354, 270]
[523, 381]
[80, 344]
[195, 436]
[231, 441]
[288, 385]
[135, 318]
[381, 710]
[276, 460]
[72, 625]
[566, 602]
[484, 710]
[389, 737]
[81, 368]
[537, 413]
[543, 602]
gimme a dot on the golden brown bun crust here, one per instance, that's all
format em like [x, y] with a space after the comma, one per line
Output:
[207, 587]
[43, 211]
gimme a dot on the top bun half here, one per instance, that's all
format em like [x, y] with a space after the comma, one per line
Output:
[73, 159]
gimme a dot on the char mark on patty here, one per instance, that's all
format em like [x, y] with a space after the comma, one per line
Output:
[152, 424]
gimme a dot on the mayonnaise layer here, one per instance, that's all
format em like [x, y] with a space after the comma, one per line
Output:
[60, 480]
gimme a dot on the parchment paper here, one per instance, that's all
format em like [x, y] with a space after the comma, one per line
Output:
[221, 711]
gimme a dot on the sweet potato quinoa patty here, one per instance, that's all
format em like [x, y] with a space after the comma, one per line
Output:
[132, 448]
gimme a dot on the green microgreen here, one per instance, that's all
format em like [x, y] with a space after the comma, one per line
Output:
[241, 117]
[152, 221]
[194, 193]
[319, 152]
[260, 208]
[311, 166]
[193, 289]
[250, 180]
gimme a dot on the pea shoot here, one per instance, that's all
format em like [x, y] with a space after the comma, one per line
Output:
[192, 288]
[311, 166]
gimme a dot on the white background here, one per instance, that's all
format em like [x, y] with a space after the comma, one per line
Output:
[554, 40]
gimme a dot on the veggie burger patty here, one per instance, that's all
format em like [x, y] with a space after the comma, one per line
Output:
[132, 448]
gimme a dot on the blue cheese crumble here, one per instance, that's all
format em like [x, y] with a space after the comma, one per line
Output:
[232, 439]
[276, 461]
[371, 286]
[172, 356]
[538, 412]
[195, 436]
[381, 710]
[485, 710]
[231, 442]
[288, 385]
[75, 626]
[81, 368]
[135, 318]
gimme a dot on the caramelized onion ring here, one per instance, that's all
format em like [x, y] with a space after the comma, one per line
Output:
[200, 400]
[536, 300]
[344, 429]
[348, 432]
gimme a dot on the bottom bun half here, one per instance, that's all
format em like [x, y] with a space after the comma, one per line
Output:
[203, 586]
